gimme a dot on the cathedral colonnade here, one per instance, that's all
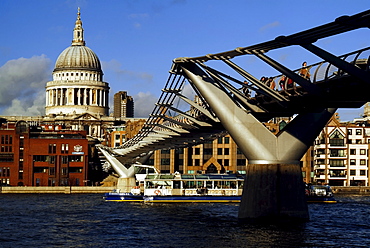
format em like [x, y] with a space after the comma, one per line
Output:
[62, 96]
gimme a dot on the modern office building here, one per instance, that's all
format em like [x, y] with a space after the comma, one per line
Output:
[123, 105]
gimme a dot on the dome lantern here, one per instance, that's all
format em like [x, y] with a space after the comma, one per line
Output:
[78, 32]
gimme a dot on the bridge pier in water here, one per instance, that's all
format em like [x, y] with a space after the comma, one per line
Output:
[274, 188]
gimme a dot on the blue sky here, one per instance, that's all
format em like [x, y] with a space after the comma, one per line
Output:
[136, 40]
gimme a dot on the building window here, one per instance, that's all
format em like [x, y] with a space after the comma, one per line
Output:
[219, 151]
[207, 151]
[358, 131]
[219, 140]
[336, 162]
[64, 159]
[362, 161]
[362, 172]
[362, 151]
[52, 159]
[75, 158]
[240, 162]
[196, 162]
[352, 151]
[352, 161]
[196, 151]
[52, 148]
[227, 140]
[226, 162]
[352, 172]
[349, 131]
[226, 151]
[51, 171]
[64, 171]
[337, 153]
[336, 139]
[165, 161]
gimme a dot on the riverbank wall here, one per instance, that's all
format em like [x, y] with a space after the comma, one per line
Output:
[56, 190]
[354, 190]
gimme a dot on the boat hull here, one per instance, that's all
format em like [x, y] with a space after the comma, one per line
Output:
[123, 197]
[321, 200]
[191, 199]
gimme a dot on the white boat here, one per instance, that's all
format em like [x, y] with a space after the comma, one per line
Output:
[176, 187]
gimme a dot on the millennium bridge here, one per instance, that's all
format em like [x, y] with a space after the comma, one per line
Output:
[232, 100]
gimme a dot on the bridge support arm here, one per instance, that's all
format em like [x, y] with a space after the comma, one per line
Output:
[273, 186]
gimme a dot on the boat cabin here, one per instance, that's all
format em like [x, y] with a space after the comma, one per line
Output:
[201, 184]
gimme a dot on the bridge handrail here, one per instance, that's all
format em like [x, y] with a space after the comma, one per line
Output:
[329, 71]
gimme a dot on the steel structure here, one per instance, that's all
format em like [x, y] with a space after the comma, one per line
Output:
[222, 105]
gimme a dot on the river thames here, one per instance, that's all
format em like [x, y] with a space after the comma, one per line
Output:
[85, 220]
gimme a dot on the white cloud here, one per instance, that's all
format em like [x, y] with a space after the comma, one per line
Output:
[22, 85]
[122, 74]
[269, 26]
[144, 104]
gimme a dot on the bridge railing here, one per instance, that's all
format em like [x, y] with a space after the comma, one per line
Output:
[324, 71]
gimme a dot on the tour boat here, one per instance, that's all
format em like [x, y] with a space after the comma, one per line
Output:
[180, 188]
[319, 194]
[171, 188]
[193, 188]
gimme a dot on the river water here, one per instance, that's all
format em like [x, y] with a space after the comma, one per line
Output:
[85, 220]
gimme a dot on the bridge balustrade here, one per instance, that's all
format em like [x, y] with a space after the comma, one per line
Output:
[321, 72]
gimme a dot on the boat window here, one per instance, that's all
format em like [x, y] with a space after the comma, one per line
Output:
[191, 184]
[215, 176]
[200, 184]
[167, 176]
[201, 177]
[209, 184]
[158, 184]
[176, 184]
[229, 177]
[187, 176]
[240, 184]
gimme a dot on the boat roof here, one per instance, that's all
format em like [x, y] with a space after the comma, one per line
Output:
[194, 177]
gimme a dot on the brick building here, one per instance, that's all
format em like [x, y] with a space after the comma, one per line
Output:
[42, 155]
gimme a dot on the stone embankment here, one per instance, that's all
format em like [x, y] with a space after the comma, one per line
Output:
[351, 190]
[56, 190]
[354, 190]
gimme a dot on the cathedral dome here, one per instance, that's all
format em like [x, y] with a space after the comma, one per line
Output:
[78, 57]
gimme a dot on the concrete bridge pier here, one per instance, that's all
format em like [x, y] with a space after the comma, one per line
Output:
[273, 192]
[274, 186]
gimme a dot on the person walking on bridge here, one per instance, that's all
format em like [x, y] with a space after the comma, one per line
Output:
[305, 71]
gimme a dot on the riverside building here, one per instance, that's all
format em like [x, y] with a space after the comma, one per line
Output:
[42, 155]
[340, 154]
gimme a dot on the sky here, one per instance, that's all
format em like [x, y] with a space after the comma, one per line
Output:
[136, 41]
